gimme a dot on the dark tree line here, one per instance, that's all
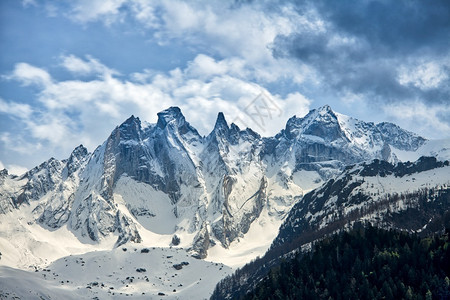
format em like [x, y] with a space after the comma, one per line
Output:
[364, 263]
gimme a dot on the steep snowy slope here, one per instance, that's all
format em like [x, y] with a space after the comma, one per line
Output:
[378, 192]
[437, 148]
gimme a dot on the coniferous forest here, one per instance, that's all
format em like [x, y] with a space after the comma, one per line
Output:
[364, 263]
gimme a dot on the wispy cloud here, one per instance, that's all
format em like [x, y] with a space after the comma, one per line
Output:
[85, 11]
[89, 66]
[22, 111]
[220, 29]
[433, 119]
[28, 75]
[426, 75]
[13, 169]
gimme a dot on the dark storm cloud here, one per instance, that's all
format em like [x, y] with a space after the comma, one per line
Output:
[394, 25]
[365, 42]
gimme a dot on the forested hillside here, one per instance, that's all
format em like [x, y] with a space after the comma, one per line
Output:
[364, 263]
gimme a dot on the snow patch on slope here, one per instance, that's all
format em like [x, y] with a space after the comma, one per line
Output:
[143, 273]
[24, 243]
[437, 148]
[253, 244]
[151, 208]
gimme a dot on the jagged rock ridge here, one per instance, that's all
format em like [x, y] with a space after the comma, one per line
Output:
[167, 179]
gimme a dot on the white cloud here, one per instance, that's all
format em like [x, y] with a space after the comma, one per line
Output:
[144, 76]
[295, 104]
[19, 110]
[85, 11]
[27, 3]
[13, 169]
[424, 75]
[419, 117]
[240, 32]
[28, 75]
[16, 169]
[89, 66]
[145, 13]
[204, 66]
[53, 128]
[181, 17]
[349, 98]
[18, 143]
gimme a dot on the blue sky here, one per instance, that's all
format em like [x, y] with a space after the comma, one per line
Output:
[70, 71]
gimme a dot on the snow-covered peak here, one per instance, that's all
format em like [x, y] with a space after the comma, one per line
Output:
[250, 135]
[321, 122]
[173, 119]
[371, 137]
[172, 114]
[51, 165]
[221, 123]
[400, 138]
[221, 130]
[323, 115]
[79, 152]
[326, 109]
[128, 130]
[362, 134]
[363, 139]
[220, 135]
[4, 173]
[130, 121]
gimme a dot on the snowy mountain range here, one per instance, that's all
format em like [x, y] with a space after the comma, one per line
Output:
[222, 196]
